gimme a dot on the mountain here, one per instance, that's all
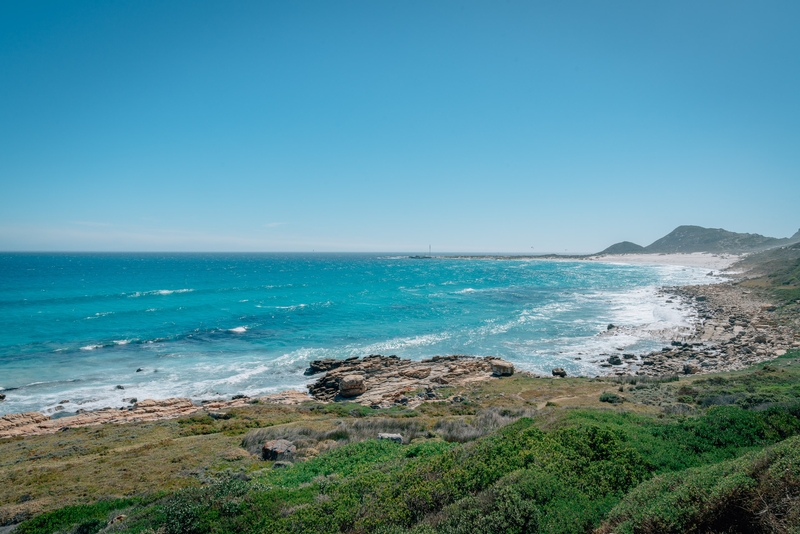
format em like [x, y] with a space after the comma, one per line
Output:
[687, 239]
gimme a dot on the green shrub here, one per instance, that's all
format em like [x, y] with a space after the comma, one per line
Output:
[519, 478]
[86, 519]
[612, 398]
[755, 493]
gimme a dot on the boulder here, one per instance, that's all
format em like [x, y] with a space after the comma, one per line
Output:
[397, 438]
[2, 397]
[558, 371]
[278, 449]
[501, 368]
[690, 369]
[351, 385]
[611, 327]
[615, 360]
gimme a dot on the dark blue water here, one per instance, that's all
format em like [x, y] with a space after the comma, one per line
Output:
[73, 326]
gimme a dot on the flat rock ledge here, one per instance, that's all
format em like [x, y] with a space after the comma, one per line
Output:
[385, 381]
[33, 423]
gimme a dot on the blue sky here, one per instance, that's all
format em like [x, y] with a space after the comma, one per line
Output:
[388, 126]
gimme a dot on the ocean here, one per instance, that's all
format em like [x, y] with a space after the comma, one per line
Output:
[100, 329]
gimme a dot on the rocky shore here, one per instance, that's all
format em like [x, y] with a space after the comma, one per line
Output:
[34, 423]
[384, 381]
[734, 328]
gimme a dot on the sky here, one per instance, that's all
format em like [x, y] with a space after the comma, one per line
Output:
[496, 126]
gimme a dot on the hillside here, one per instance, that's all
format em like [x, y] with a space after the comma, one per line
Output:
[687, 239]
[518, 454]
[625, 247]
[776, 270]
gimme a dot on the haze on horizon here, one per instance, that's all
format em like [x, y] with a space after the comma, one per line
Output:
[389, 126]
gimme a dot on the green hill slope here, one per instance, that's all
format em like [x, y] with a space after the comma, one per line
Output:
[687, 239]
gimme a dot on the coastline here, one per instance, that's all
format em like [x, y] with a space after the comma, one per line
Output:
[703, 260]
[734, 330]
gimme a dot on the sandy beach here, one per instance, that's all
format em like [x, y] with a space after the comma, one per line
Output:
[704, 260]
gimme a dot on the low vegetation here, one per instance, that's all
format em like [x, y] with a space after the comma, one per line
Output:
[510, 455]
[777, 271]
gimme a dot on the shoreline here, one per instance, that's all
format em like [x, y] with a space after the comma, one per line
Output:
[701, 260]
[734, 331]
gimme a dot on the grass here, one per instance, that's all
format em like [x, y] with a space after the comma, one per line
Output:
[777, 271]
[495, 459]
[566, 479]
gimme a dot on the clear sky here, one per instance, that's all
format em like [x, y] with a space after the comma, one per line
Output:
[391, 125]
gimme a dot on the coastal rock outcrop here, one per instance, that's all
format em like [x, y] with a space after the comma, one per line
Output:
[389, 380]
[558, 371]
[32, 423]
[321, 366]
[12, 422]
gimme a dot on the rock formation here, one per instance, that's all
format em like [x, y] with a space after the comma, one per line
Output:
[389, 380]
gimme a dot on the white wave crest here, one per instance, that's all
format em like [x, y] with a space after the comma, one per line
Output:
[159, 292]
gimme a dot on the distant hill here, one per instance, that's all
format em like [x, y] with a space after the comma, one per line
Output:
[687, 239]
[626, 247]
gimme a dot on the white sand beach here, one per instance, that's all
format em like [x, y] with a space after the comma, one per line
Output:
[703, 260]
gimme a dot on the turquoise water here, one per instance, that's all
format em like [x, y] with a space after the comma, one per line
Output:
[74, 326]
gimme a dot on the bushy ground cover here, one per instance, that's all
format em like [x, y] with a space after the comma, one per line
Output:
[756, 493]
[494, 462]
